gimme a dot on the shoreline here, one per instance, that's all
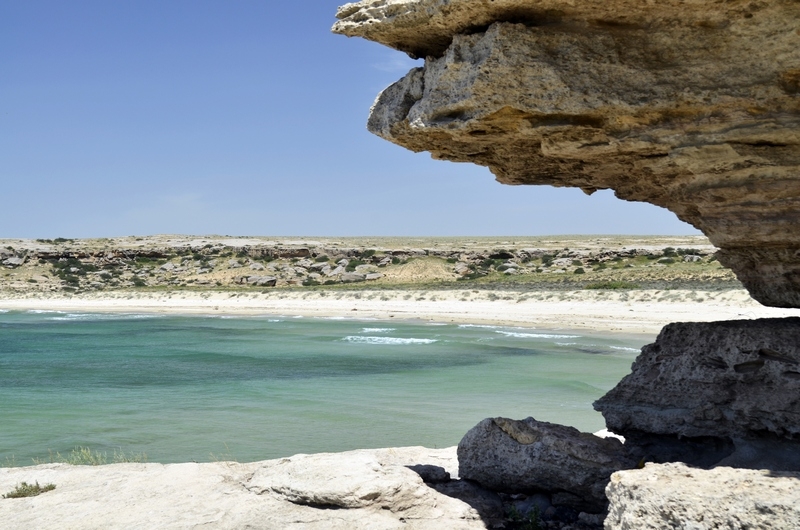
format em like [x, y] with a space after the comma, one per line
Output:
[636, 312]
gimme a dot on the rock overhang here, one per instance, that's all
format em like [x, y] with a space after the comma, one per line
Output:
[692, 107]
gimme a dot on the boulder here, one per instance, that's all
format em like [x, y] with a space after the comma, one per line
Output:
[461, 268]
[267, 281]
[529, 456]
[256, 266]
[348, 277]
[334, 272]
[730, 379]
[677, 496]
[691, 107]
[13, 262]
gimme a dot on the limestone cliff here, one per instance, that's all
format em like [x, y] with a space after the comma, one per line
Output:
[692, 106]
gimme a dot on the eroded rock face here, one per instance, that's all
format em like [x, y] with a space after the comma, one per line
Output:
[726, 379]
[717, 393]
[529, 455]
[677, 496]
[692, 107]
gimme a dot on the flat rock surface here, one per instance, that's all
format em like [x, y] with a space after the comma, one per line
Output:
[359, 489]
[679, 497]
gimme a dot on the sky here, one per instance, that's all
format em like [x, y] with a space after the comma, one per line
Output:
[236, 118]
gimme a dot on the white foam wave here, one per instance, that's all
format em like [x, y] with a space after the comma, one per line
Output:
[42, 311]
[274, 320]
[386, 340]
[377, 330]
[485, 326]
[566, 343]
[623, 348]
[102, 316]
[536, 335]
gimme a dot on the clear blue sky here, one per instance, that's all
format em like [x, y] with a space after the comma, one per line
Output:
[240, 118]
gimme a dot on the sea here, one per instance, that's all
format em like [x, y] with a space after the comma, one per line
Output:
[207, 388]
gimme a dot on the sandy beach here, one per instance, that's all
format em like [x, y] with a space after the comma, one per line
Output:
[633, 312]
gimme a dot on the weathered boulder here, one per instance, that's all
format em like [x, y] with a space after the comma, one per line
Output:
[267, 281]
[716, 393]
[528, 456]
[677, 496]
[692, 107]
[13, 261]
[348, 277]
[733, 380]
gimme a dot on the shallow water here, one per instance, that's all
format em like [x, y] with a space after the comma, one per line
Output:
[183, 388]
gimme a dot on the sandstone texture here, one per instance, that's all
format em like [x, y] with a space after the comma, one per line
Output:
[529, 456]
[694, 107]
[674, 496]
[363, 489]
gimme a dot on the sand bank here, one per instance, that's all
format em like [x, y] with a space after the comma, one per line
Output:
[635, 311]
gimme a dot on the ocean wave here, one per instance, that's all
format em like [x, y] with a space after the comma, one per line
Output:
[274, 320]
[103, 316]
[566, 343]
[623, 348]
[42, 311]
[377, 330]
[536, 335]
[485, 326]
[386, 340]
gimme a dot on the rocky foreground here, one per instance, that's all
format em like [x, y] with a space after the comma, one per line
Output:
[401, 488]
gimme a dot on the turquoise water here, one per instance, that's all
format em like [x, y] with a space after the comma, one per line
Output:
[183, 388]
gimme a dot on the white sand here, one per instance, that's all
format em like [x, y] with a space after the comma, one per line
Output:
[637, 311]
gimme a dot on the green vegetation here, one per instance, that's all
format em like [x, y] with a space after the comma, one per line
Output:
[28, 490]
[580, 270]
[531, 521]
[351, 266]
[56, 241]
[612, 285]
[84, 456]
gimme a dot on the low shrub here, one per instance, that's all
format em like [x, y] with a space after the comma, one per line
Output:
[84, 456]
[612, 285]
[580, 270]
[28, 490]
[353, 264]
